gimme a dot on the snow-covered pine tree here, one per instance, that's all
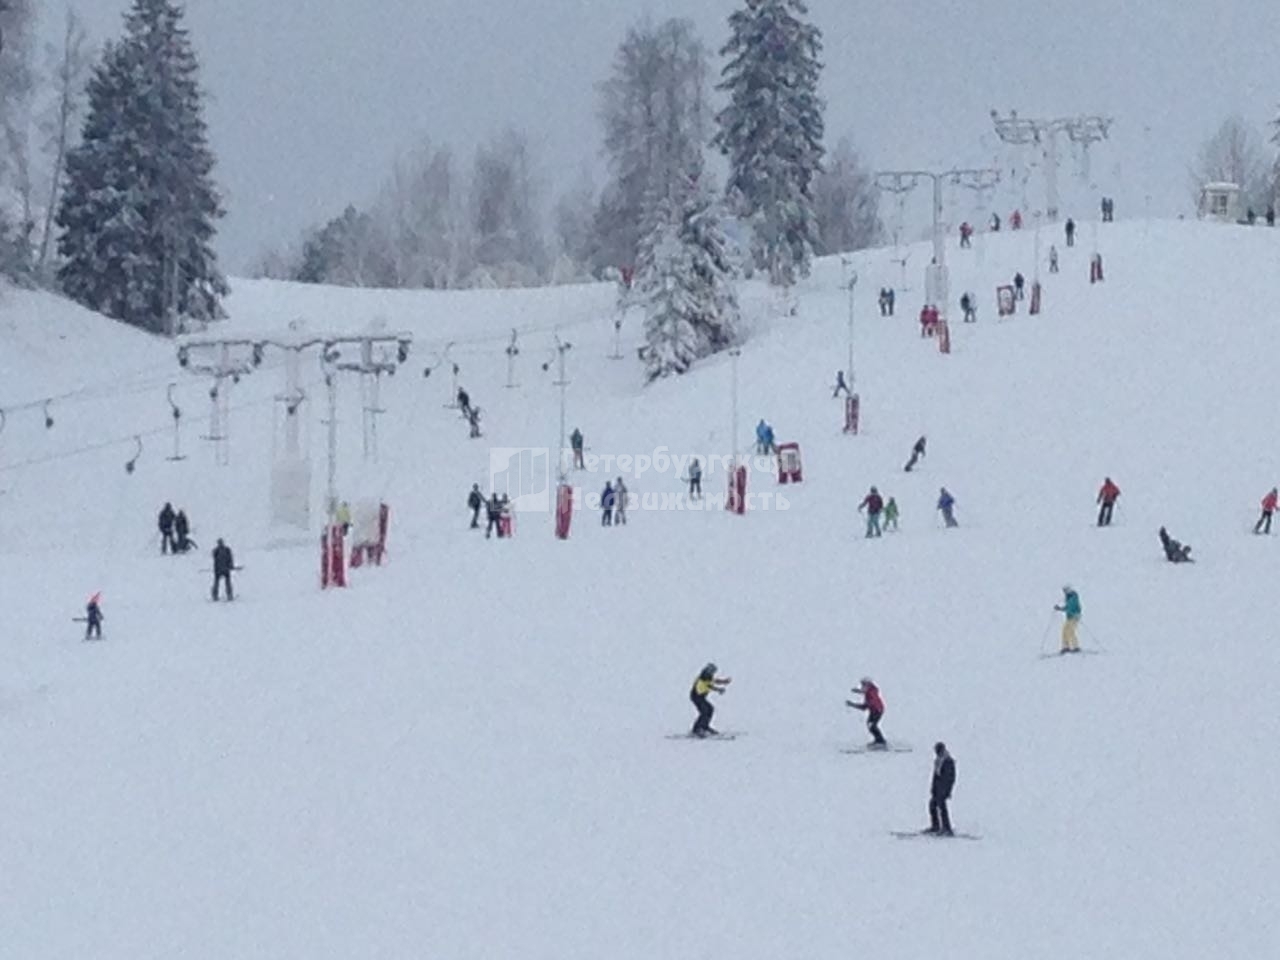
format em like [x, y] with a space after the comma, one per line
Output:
[771, 131]
[138, 211]
[686, 279]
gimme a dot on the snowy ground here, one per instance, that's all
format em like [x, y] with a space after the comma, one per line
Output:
[463, 755]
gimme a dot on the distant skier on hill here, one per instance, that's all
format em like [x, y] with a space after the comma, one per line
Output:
[940, 787]
[891, 515]
[619, 503]
[706, 683]
[886, 301]
[1053, 259]
[165, 521]
[1174, 551]
[1107, 496]
[475, 502]
[1070, 609]
[1268, 508]
[764, 438]
[873, 504]
[968, 307]
[464, 403]
[493, 514]
[1019, 283]
[995, 223]
[607, 500]
[695, 479]
[966, 235]
[223, 564]
[93, 618]
[575, 441]
[181, 532]
[947, 504]
[873, 703]
[840, 385]
[1069, 228]
[917, 451]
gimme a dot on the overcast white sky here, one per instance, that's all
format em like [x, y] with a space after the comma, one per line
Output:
[311, 100]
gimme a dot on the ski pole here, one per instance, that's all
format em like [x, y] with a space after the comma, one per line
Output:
[1047, 627]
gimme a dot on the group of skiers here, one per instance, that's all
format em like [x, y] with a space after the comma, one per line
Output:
[941, 785]
[175, 531]
[613, 504]
[497, 511]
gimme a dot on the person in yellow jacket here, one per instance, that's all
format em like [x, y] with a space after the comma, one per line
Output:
[706, 684]
[342, 517]
[1070, 608]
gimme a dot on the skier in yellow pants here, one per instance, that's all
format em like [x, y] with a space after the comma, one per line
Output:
[1070, 606]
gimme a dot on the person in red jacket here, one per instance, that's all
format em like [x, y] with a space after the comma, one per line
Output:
[1268, 508]
[873, 703]
[1107, 496]
[873, 503]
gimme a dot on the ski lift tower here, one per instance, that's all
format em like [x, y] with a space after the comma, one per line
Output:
[224, 360]
[1023, 131]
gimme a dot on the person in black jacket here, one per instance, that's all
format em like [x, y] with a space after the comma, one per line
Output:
[167, 542]
[944, 779]
[1174, 551]
[223, 564]
[181, 532]
[494, 515]
[917, 451]
[475, 500]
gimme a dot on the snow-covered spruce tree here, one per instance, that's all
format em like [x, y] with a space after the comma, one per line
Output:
[686, 280]
[771, 131]
[138, 211]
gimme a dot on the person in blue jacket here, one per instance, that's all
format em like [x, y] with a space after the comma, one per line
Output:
[607, 501]
[947, 504]
[1070, 609]
[764, 438]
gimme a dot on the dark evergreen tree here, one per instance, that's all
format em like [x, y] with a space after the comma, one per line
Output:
[686, 278]
[138, 212]
[771, 131]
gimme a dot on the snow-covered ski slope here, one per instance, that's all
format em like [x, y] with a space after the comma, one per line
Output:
[465, 754]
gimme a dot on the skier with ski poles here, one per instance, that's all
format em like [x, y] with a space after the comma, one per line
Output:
[1268, 508]
[940, 787]
[873, 503]
[891, 515]
[873, 703]
[1070, 609]
[706, 683]
[475, 500]
[223, 564]
[1107, 496]
[93, 618]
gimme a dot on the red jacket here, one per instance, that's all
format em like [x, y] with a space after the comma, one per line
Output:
[1108, 493]
[873, 503]
[871, 697]
[1269, 502]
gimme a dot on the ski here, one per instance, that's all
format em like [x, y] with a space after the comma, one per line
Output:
[730, 735]
[891, 748]
[1058, 653]
[929, 834]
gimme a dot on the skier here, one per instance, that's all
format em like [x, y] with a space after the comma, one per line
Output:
[966, 234]
[1268, 508]
[1015, 220]
[1070, 609]
[473, 418]
[967, 305]
[93, 617]
[995, 223]
[1053, 259]
[493, 514]
[917, 451]
[764, 438]
[1174, 551]
[167, 543]
[223, 564]
[695, 479]
[944, 780]
[891, 515]
[475, 500]
[886, 301]
[706, 684]
[181, 530]
[464, 403]
[873, 503]
[607, 501]
[947, 504]
[620, 502]
[1018, 282]
[1107, 496]
[840, 385]
[1070, 229]
[342, 517]
[575, 441]
[504, 517]
[873, 703]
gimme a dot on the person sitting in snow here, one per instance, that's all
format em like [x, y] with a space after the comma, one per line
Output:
[1174, 551]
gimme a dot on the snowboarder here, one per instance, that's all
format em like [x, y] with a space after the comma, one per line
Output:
[1070, 609]
[1107, 496]
[840, 385]
[1070, 229]
[167, 543]
[575, 441]
[695, 479]
[620, 502]
[966, 235]
[223, 564]
[891, 515]
[917, 451]
[947, 504]
[1019, 281]
[873, 503]
[93, 617]
[464, 403]
[1268, 508]
[706, 683]
[475, 500]
[607, 501]
[181, 532]
[764, 438]
[969, 306]
[873, 703]
[493, 514]
[944, 780]
[1174, 551]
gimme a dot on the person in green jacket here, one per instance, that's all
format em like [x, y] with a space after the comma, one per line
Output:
[891, 514]
[1070, 608]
